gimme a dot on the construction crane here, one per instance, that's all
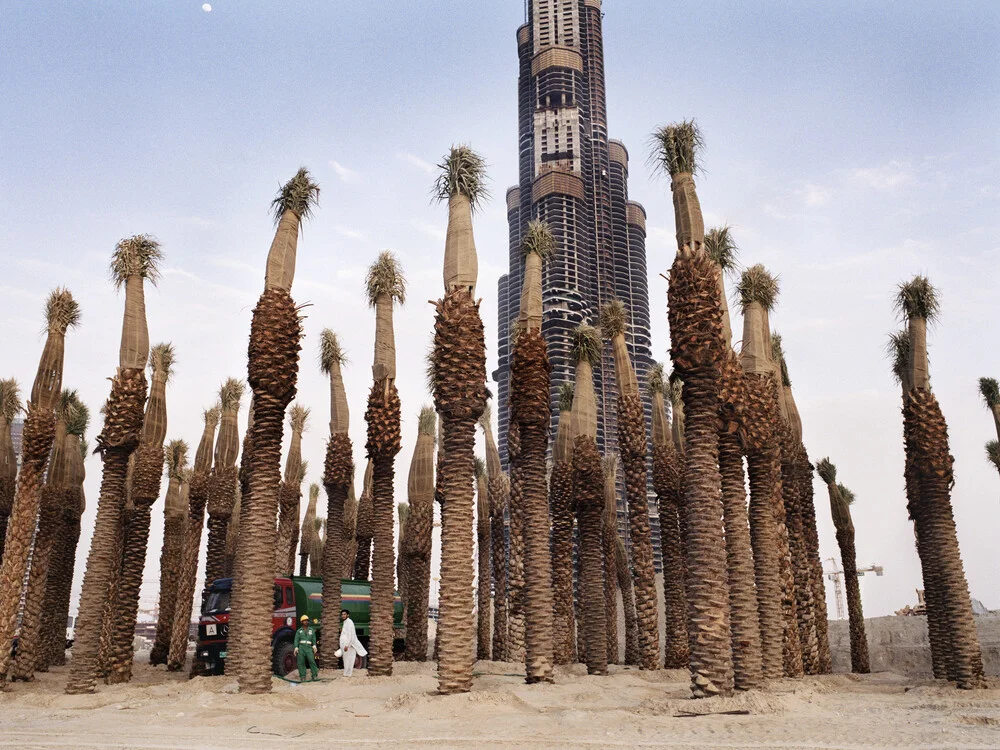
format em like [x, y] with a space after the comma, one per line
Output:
[838, 584]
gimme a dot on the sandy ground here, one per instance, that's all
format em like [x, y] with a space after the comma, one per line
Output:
[627, 709]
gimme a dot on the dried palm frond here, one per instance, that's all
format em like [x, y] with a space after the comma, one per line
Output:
[613, 319]
[655, 379]
[10, 399]
[385, 277]
[138, 255]
[480, 467]
[989, 389]
[77, 417]
[917, 298]
[538, 240]
[427, 421]
[587, 345]
[212, 415]
[826, 470]
[846, 495]
[298, 416]
[319, 525]
[62, 312]
[330, 351]
[161, 359]
[303, 470]
[721, 247]
[313, 492]
[175, 456]
[300, 195]
[757, 284]
[898, 350]
[66, 401]
[566, 397]
[403, 511]
[675, 389]
[778, 355]
[230, 394]
[463, 171]
[485, 419]
[993, 453]
[675, 147]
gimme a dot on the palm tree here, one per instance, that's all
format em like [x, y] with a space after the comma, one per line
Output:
[364, 518]
[588, 488]
[989, 389]
[403, 517]
[419, 528]
[145, 489]
[338, 477]
[609, 533]
[561, 504]
[306, 541]
[293, 545]
[632, 450]
[515, 561]
[224, 482]
[529, 401]
[188, 569]
[499, 491]
[272, 370]
[351, 542]
[697, 350]
[386, 286]
[290, 493]
[628, 603]
[667, 481]
[483, 606]
[930, 468]
[459, 362]
[175, 512]
[10, 407]
[841, 500]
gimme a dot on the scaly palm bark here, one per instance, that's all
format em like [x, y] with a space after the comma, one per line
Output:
[633, 450]
[224, 481]
[175, 513]
[145, 489]
[628, 603]
[135, 260]
[609, 535]
[483, 604]
[272, 372]
[402, 585]
[293, 546]
[308, 531]
[841, 500]
[698, 350]
[385, 286]
[188, 572]
[561, 507]
[318, 542]
[419, 530]
[290, 493]
[930, 469]
[338, 480]
[364, 527]
[10, 407]
[529, 401]
[499, 492]
[515, 562]
[588, 491]
[459, 379]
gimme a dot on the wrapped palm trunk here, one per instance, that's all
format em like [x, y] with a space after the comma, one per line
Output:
[174, 524]
[307, 538]
[515, 562]
[561, 503]
[483, 608]
[609, 536]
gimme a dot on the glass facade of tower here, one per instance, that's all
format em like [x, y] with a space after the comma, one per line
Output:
[575, 179]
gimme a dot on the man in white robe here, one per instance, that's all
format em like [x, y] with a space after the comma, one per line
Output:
[350, 646]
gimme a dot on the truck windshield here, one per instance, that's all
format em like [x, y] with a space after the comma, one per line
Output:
[217, 602]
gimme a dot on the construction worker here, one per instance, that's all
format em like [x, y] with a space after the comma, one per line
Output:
[306, 648]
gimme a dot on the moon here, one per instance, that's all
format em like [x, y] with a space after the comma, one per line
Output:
[207, 7]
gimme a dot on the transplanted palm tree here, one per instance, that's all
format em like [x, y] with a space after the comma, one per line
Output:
[403, 517]
[350, 524]
[697, 350]
[588, 488]
[628, 602]
[290, 493]
[187, 574]
[273, 359]
[515, 559]
[145, 489]
[224, 481]
[135, 260]
[529, 401]
[419, 528]
[10, 407]
[609, 533]
[668, 481]
[499, 491]
[308, 530]
[841, 500]
[989, 389]
[338, 476]
[386, 285]
[561, 505]
[363, 528]
[175, 513]
[459, 375]
[632, 450]
[483, 608]
[930, 469]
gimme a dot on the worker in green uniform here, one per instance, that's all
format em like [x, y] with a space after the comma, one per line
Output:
[305, 648]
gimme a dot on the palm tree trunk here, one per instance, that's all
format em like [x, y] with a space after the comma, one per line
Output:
[628, 604]
[808, 510]
[188, 573]
[170, 562]
[588, 486]
[110, 617]
[483, 607]
[60, 585]
[289, 497]
[667, 478]
[222, 487]
[804, 605]
[515, 562]
[609, 536]
[561, 502]
[338, 474]
[791, 648]
[499, 489]
[859, 643]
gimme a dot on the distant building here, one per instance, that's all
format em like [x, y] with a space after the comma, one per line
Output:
[16, 435]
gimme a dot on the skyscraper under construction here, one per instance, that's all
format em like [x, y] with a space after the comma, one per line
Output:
[576, 179]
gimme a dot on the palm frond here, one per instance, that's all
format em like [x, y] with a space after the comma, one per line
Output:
[897, 348]
[211, 416]
[313, 492]
[84, 449]
[722, 248]
[993, 453]
[176, 457]
[385, 277]
[298, 416]
[485, 419]
[538, 239]
[989, 389]
[846, 494]
[826, 470]
[10, 399]
[303, 469]
[300, 195]
[675, 147]
[917, 298]
[230, 394]
[566, 391]
[655, 379]
[427, 421]
[462, 171]
[480, 467]
[67, 399]
[161, 359]
[77, 417]
[778, 354]
[138, 255]
[757, 284]
[587, 344]
[610, 465]
[62, 312]
[675, 389]
[613, 319]
[403, 511]
[330, 351]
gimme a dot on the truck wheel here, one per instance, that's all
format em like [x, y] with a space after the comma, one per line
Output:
[283, 660]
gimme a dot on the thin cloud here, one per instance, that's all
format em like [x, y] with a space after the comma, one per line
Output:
[431, 230]
[815, 195]
[417, 162]
[884, 177]
[343, 173]
[351, 234]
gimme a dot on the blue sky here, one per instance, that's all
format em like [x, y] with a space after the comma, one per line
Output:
[849, 144]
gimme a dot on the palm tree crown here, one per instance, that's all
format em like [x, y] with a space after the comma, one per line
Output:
[462, 172]
[989, 389]
[138, 255]
[918, 298]
[10, 399]
[385, 279]
[330, 351]
[676, 146]
[722, 248]
[757, 284]
[300, 195]
[161, 360]
[62, 312]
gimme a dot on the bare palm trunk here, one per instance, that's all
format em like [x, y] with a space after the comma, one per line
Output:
[628, 604]
[609, 540]
[859, 644]
[174, 527]
[419, 531]
[483, 608]
[515, 562]
[588, 481]
[561, 503]
[499, 493]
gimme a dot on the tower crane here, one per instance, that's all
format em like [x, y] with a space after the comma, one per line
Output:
[837, 577]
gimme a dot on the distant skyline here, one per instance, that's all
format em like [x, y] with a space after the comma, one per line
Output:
[850, 146]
